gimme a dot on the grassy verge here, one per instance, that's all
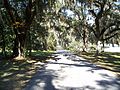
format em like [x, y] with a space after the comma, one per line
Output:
[107, 60]
[15, 74]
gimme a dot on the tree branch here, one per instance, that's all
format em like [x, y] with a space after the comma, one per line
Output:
[93, 13]
[33, 13]
[91, 28]
[110, 37]
[9, 10]
[78, 14]
[29, 13]
[112, 31]
[104, 29]
[16, 15]
[110, 25]
[97, 3]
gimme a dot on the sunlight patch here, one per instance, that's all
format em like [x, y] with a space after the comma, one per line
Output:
[41, 84]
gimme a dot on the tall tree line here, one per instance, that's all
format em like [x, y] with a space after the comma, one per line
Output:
[43, 24]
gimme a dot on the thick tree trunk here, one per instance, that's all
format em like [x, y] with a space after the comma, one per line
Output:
[98, 48]
[84, 40]
[3, 35]
[15, 48]
[20, 26]
[3, 42]
[19, 44]
[103, 46]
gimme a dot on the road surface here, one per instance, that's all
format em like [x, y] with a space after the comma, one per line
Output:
[70, 72]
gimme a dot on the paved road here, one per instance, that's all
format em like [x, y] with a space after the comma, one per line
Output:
[71, 72]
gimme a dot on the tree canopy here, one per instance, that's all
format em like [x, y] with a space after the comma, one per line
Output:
[45, 24]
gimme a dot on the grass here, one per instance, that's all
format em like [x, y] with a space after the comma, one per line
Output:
[14, 75]
[107, 60]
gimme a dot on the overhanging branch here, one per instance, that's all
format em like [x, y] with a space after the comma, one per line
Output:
[9, 10]
[93, 13]
[105, 29]
[110, 36]
[30, 12]
[112, 31]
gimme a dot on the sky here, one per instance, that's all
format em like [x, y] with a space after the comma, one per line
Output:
[90, 19]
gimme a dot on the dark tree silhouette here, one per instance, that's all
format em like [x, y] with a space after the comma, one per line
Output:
[20, 26]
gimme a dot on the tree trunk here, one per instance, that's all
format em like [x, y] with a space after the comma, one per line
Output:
[3, 41]
[103, 46]
[97, 49]
[29, 43]
[21, 26]
[3, 35]
[3, 44]
[84, 39]
[84, 29]
[19, 44]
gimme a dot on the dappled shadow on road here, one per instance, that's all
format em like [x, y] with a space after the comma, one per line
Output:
[63, 66]
[42, 80]
[108, 60]
[113, 84]
[111, 60]
[15, 74]
[79, 88]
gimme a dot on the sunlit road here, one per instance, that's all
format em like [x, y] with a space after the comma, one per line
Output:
[70, 72]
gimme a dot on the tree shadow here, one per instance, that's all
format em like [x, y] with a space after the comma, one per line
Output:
[15, 74]
[107, 60]
[111, 61]
[43, 79]
[113, 84]
[79, 88]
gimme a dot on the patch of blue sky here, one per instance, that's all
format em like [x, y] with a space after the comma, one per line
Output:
[118, 2]
[90, 19]
[70, 13]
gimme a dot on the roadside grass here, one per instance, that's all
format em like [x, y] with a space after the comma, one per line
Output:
[107, 60]
[14, 74]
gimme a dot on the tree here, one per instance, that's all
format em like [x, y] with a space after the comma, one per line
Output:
[103, 28]
[83, 31]
[2, 35]
[20, 21]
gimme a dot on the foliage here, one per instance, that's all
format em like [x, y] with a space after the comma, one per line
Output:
[54, 25]
[31, 27]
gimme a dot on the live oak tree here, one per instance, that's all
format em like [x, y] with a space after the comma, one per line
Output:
[44, 16]
[20, 21]
[104, 27]
[83, 31]
[21, 15]
[106, 21]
